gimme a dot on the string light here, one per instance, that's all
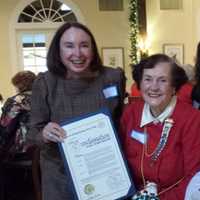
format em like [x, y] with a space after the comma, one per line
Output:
[134, 30]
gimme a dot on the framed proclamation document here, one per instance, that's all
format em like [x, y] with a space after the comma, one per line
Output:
[93, 157]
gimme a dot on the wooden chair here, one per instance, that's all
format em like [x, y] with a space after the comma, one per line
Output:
[30, 162]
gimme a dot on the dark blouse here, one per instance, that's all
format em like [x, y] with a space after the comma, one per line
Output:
[196, 96]
[14, 119]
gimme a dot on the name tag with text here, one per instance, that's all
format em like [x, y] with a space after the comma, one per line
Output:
[139, 136]
[110, 91]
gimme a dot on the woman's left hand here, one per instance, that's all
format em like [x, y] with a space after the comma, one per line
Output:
[53, 132]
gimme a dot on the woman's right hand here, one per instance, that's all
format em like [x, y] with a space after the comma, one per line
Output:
[53, 132]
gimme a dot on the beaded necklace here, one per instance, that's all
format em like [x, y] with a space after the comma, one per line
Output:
[155, 154]
[163, 140]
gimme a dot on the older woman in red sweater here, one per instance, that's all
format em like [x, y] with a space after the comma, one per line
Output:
[160, 134]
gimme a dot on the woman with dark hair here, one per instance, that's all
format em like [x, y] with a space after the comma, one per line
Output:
[185, 92]
[76, 83]
[160, 134]
[55, 64]
[196, 88]
[16, 111]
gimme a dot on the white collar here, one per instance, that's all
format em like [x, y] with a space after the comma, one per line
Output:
[147, 117]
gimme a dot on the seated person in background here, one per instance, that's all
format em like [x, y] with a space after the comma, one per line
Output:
[16, 112]
[160, 134]
[185, 92]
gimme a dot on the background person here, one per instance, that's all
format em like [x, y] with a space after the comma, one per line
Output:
[190, 71]
[160, 135]
[185, 92]
[16, 112]
[75, 84]
[196, 88]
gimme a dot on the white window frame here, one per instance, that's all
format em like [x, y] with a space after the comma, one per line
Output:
[14, 26]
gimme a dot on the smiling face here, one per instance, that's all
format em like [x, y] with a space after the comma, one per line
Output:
[76, 51]
[156, 87]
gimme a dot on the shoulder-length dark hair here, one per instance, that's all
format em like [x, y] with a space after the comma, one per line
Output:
[54, 62]
[178, 74]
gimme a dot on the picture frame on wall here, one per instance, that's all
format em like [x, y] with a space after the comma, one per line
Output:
[175, 51]
[113, 56]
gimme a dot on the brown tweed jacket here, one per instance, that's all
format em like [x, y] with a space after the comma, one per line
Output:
[56, 99]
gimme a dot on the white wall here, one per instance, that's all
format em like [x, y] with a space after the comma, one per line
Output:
[111, 29]
[174, 26]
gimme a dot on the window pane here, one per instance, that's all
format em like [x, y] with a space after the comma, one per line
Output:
[27, 38]
[34, 52]
[28, 57]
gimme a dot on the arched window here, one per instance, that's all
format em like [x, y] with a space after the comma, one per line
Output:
[33, 27]
[46, 10]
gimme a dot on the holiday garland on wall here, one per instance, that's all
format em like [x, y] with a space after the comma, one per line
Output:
[134, 30]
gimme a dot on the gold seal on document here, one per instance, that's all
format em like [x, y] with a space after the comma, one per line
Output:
[89, 189]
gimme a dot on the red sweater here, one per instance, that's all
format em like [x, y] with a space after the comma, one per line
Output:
[180, 157]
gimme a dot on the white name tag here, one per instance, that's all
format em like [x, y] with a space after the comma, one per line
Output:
[110, 92]
[139, 136]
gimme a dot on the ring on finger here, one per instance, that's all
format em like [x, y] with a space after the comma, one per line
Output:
[49, 134]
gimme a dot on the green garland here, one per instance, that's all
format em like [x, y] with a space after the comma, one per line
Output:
[134, 30]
